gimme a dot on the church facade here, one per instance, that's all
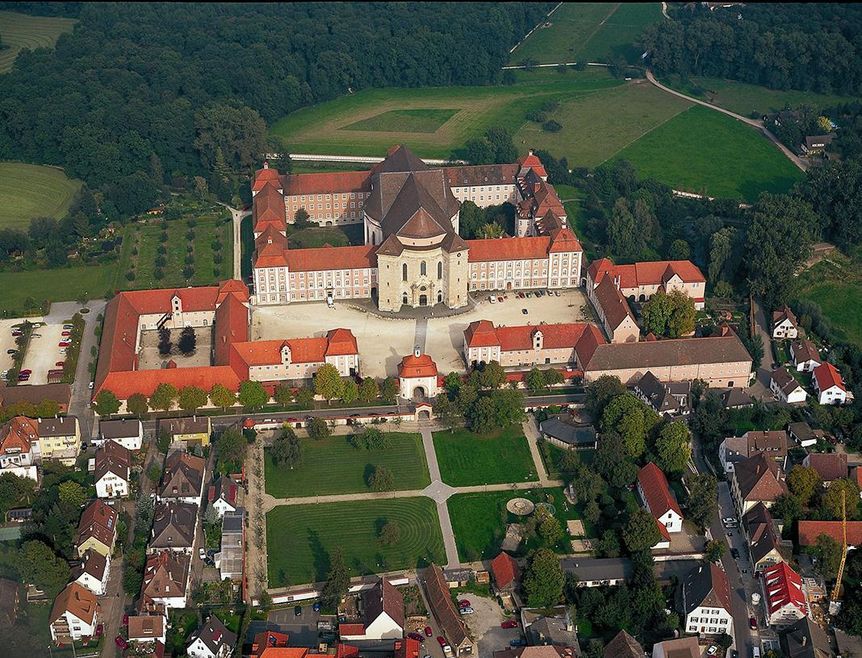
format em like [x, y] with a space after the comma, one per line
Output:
[413, 254]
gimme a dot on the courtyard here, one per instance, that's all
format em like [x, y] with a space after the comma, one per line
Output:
[383, 341]
[150, 358]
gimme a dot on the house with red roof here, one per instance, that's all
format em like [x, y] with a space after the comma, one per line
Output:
[809, 531]
[830, 466]
[613, 310]
[381, 615]
[19, 442]
[659, 500]
[418, 376]
[506, 572]
[222, 495]
[638, 282]
[829, 384]
[784, 598]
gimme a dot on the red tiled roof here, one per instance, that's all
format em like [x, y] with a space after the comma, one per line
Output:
[554, 336]
[351, 629]
[417, 366]
[830, 466]
[646, 273]
[783, 586]
[268, 208]
[126, 383]
[406, 648]
[481, 333]
[856, 476]
[326, 182]
[331, 258]
[826, 376]
[231, 326]
[809, 531]
[505, 570]
[271, 247]
[496, 249]
[612, 302]
[533, 162]
[264, 176]
[564, 240]
[99, 520]
[18, 434]
[76, 599]
[341, 342]
[656, 490]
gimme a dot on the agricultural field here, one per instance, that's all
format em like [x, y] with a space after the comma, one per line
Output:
[301, 538]
[831, 283]
[24, 292]
[750, 100]
[590, 32]
[28, 191]
[411, 121]
[466, 459]
[20, 31]
[724, 158]
[333, 466]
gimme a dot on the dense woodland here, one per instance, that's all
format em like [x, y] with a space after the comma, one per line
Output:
[782, 46]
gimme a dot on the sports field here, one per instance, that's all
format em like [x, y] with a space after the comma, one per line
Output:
[23, 31]
[723, 157]
[590, 32]
[466, 458]
[333, 466]
[301, 538]
[28, 191]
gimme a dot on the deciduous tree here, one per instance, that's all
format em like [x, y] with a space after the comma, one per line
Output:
[631, 419]
[287, 449]
[336, 583]
[328, 383]
[163, 397]
[192, 398]
[368, 390]
[803, 482]
[37, 564]
[543, 579]
[703, 498]
[252, 395]
[106, 403]
[72, 493]
[230, 450]
[381, 479]
[137, 405]
[641, 532]
[317, 428]
[673, 446]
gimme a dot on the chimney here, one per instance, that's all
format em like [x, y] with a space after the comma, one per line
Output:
[530, 152]
[417, 352]
[804, 640]
[266, 164]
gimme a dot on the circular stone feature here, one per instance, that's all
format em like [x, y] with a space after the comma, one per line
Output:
[520, 506]
[547, 506]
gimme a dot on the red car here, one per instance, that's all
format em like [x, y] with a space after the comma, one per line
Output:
[752, 623]
[60, 364]
[464, 603]
[26, 371]
[66, 333]
[63, 343]
[125, 620]
[441, 640]
[416, 636]
[121, 642]
[428, 631]
[509, 623]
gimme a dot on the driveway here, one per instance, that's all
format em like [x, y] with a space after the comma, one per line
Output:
[81, 392]
[484, 624]
[302, 629]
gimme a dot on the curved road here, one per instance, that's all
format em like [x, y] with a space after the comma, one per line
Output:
[754, 123]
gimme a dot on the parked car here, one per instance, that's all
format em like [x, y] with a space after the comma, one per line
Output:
[734, 553]
[464, 603]
[518, 642]
[500, 298]
[509, 623]
[728, 519]
[713, 650]
[11, 351]
[66, 333]
[492, 299]
[17, 332]
[441, 640]
[26, 371]
[524, 311]
[752, 623]
[428, 631]
[68, 326]
[467, 610]
[121, 642]
[125, 620]
[316, 608]
[22, 377]
[297, 611]
[416, 636]
[64, 343]
[60, 364]
[202, 553]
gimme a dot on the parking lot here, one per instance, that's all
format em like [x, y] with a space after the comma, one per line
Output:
[43, 353]
[7, 342]
[302, 629]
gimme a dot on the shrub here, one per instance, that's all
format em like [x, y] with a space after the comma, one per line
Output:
[190, 235]
[190, 248]
[217, 258]
[158, 274]
[217, 245]
[161, 250]
[550, 106]
[537, 116]
[190, 259]
[134, 251]
[192, 222]
[188, 272]
[164, 236]
[130, 276]
[161, 261]
[551, 126]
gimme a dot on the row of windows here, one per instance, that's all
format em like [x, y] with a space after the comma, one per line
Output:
[423, 270]
[328, 195]
[707, 620]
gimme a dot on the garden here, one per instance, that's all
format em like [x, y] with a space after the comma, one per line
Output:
[471, 459]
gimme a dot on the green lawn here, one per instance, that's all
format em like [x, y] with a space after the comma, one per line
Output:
[336, 236]
[301, 538]
[589, 31]
[479, 519]
[333, 466]
[20, 31]
[61, 284]
[832, 283]
[466, 458]
[28, 191]
[408, 121]
[724, 158]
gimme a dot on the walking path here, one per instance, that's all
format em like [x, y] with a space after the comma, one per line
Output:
[236, 217]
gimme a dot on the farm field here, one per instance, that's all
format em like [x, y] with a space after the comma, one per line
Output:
[744, 98]
[466, 459]
[590, 31]
[23, 31]
[300, 538]
[57, 285]
[712, 143]
[28, 191]
[411, 121]
[831, 283]
[333, 466]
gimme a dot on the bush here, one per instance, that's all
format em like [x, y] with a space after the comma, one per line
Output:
[551, 126]
[161, 250]
[130, 276]
[164, 236]
[190, 235]
[134, 251]
[217, 258]
[161, 261]
[550, 106]
[217, 245]
[188, 272]
[190, 248]
[192, 222]
[190, 259]
[537, 116]
[723, 290]
[158, 273]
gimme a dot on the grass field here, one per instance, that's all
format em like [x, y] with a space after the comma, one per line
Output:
[333, 466]
[590, 32]
[832, 283]
[28, 191]
[744, 98]
[20, 31]
[301, 538]
[466, 458]
[408, 121]
[57, 285]
[337, 236]
[724, 158]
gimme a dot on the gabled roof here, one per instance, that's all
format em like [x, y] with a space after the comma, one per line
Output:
[99, 521]
[119, 429]
[76, 600]
[623, 646]
[223, 489]
[383, 598]
[111, 457]
[804, 350]
[809, 531]
[18, 435]
[480, 175]
[417, 366]
[804, 639]
[783, 314]
[656, 491]
[783, 587]
[331, 258]
[166, 575]
[146, 627]
[826, 376]
[505, 570]
[829, 466]
[264, 176]
[93, 564]
[759, 479]
[183, 476]
[481, 333]
[442, 606]
[646, 273]
[214, 635]
[785, 381]
[173, 525]
[613, 303]
[399, 158]
[760, 528]
[326, 182]
[497, 249]
[705, 586]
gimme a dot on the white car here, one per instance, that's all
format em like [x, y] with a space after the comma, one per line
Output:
[492, 299]
[467, 610]
[202, 553]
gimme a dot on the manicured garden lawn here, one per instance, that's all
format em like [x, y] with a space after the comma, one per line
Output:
[408, 121]
[333, 466]
[551, 456]
[724, 158]
[466, 458]
[479, 519]
[63, 284]
[24, 31]
[336, 236]
[301, 538]
[28, 191]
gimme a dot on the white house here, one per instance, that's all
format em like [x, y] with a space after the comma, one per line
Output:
[829, 384]
[785, 388]
[75, 614]
[113, 462]
[382, 610]
[805, 355]
[212, 640]
[417, 376]
[222, 495]
[784, 324]
[705, 601]
[128, 433]
[660, 502]
[93, 572]
[19, 442]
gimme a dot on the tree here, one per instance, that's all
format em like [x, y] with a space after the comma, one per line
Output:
[549, 528]
[163, 397]
[137, 405]
[328, 383]
[673, 446]
[641, 532]
[714, 549]
[188, 341]
[72, 493]
[389, 390]
[300, 219]
[350, 391]
[600, 392]
[305, 398]
[447, 412]
[803, 482]
[252, 395]
[631, 419]
[336, 583]
[612, 461]
[669, 315]
[543, 579]
[492, 375]
[221, 397]
[703, 497]
[625, 240]
[370, 438]
[231, 135]
[154, 472]
[317, 428]
[38, 565]
[192, 398]
[535, 380]
[230, 451]
[828, 554]
[553, 377]
[381, 479]
[831, 500]
[368, 390]
[390, 533]
[286, 449]
[679, 250]
[106, 403]
[14, 490]
[165, 344]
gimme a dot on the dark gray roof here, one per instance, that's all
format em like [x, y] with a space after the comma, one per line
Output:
[761, 531]
[214, 635]
[785, 380]
[735, 397]
[58, 426]
[662, 353]
[575, 435]
[664, 398]
[804, 639]
[119, 429]
[555, 631]
[705, 585]
[609, 568]
[173, 525]
[232, 522]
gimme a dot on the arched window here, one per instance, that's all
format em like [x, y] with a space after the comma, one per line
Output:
[373, 238]
[404, 298]
[439, 269]
[439, 297]
[404, 272]
[423, 269]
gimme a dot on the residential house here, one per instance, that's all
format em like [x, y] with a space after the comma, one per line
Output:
[212, 640]
[598, 572]
[704, 600]
[683, 647]
[567, 435]
[735, 398]
[11, 396]
[183, 478]
[830, 466]
[506, 572]
[756, 480]
[772, 443]
[231, 558]
[829, 385]
[93, 572]
[802, 433]
[174, 526]
[809, 531]
[805, 355]
[147, 629]
[272, 644]
[551, 627]
[623, 645]
[127, 432]
[194, 430]
[816, 144]
[382, 615]
[166, 580]
[8, 601]
[671, 398]
[97, 529]
[784, 324]
[75, 614]
[59, 439]
[764, 539]
[660, 502]
[785, 599]
[452, 627]
[113, 464]
[804, 639]
[222, 495]
[785, 388]
[19, 444]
